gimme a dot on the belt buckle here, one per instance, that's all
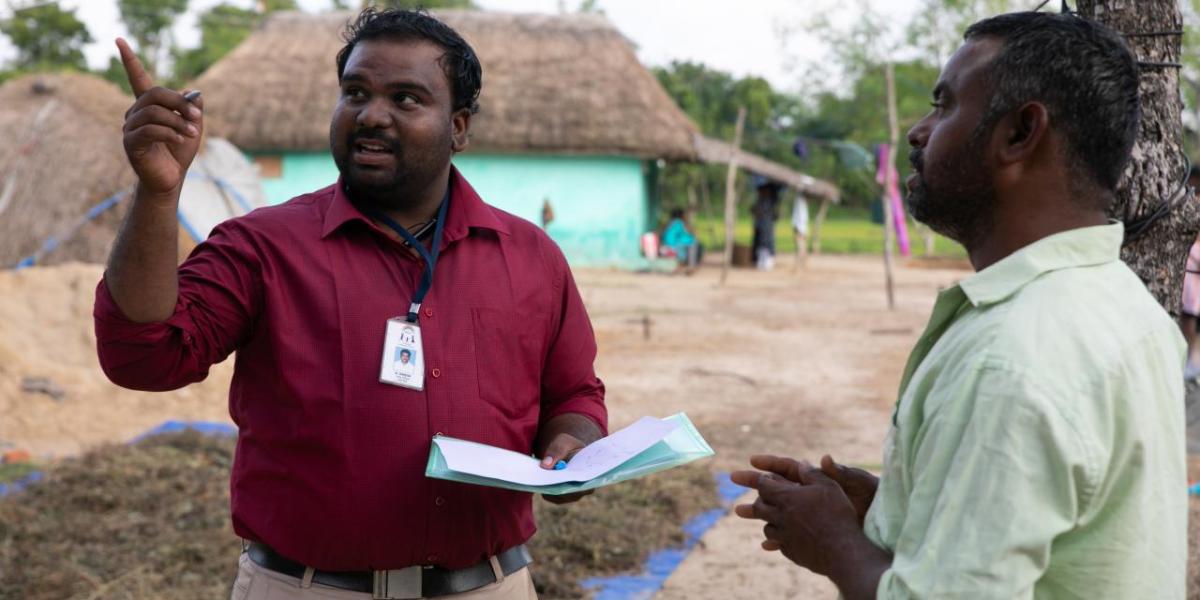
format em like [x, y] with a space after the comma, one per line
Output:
[398, 584]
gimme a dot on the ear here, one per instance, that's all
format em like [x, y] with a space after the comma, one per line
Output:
[1020, 134]
[460, 124]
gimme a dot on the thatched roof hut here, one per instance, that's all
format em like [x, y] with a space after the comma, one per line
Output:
[62, 155]
[561, 84]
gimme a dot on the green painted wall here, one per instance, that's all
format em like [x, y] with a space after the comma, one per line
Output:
[602, 204]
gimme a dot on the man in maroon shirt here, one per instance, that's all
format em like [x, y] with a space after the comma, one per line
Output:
[328, 485]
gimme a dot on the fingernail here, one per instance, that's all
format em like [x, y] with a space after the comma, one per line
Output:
[547, 461]
[194, 112]
[192, 130]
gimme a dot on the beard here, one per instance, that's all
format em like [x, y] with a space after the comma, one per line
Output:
[379, 187]
[955, 198]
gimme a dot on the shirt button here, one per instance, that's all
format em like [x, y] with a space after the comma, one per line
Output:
[432, 558]
[429, 312]
[439, 433]
[440, 501]
[437, 372]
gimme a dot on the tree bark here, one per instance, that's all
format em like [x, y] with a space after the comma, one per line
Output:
[1157, 168]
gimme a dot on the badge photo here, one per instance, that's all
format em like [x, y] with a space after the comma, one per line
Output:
[403, 360]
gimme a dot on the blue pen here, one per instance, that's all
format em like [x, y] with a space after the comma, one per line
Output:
[560, 465]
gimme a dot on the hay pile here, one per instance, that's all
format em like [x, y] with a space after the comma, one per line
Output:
[151, 521]
[62, 155]
[46, 334]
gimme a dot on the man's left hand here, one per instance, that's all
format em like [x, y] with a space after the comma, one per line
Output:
[810, 520]
[562, 447]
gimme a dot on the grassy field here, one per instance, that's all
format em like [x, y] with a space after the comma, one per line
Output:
[846, 231]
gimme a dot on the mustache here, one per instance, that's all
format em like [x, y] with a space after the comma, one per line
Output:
[916, 158]
[373, 136]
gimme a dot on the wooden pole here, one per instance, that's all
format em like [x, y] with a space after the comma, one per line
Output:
[888, 182]
[816, 228]
[730, 198]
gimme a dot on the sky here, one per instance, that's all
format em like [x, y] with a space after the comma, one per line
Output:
[745, 40]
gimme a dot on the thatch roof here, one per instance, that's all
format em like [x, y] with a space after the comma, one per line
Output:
[551, 84]
[715, 151]
[62, 153]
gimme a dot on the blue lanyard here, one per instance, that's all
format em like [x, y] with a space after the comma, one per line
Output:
[430, 258]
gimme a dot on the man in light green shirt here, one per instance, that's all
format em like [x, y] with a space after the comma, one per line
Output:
[1037, 448]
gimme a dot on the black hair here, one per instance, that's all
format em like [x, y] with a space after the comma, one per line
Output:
[1081, 71]
[676, 213]
[460, 63]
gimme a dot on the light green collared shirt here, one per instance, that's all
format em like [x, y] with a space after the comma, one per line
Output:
[1037, 450]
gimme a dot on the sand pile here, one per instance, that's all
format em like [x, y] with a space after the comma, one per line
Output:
[54, 400]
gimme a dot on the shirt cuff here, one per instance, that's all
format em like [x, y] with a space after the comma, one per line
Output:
[591, 407]
[115, 331]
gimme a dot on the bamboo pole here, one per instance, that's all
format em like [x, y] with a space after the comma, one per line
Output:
[730, 198]
[889, 175]
[816, 226]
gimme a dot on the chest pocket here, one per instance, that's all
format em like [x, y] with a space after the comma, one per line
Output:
[508, 358]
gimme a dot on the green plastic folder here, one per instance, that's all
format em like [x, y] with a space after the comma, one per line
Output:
[681, 446]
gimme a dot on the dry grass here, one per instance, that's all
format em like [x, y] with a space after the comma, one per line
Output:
[151, 521]
[61, 155]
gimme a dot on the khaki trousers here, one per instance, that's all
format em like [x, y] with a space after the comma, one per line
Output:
[256, 583]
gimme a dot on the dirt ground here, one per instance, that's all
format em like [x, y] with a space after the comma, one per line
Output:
[797, 363]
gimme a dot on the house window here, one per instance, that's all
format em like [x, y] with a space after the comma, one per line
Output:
[269, 166]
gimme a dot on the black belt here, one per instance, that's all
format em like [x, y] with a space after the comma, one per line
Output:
[412, 582]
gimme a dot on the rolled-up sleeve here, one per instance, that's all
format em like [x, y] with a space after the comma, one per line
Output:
[569, 381]
[994, 482]
[219, 296]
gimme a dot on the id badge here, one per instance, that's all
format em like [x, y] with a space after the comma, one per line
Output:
[403, 360]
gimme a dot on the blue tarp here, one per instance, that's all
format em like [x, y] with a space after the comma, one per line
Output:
[659, 565]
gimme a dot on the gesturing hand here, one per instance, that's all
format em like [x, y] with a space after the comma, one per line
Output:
[809, 520]
[858, 485]
[162, 129]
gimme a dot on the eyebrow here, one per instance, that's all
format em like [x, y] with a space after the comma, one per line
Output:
[401, 85]
[939, 90]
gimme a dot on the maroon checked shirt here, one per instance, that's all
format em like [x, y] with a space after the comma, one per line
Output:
[330, 464]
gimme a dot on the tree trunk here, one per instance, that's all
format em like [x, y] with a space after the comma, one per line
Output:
[1156, 171]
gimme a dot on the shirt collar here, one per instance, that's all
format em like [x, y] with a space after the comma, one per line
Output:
[1083, 247]
[467, 210]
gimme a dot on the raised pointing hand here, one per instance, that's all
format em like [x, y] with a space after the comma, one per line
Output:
[162, 129]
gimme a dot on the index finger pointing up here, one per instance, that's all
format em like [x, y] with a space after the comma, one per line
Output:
[139, 80]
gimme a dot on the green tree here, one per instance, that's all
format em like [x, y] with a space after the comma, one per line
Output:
[711, 98]
[266, 7]
[46, 37]
[936, 32]
[430, 4]
[149, 23]
[222, 28]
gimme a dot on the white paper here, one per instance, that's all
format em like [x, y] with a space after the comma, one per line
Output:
[593, 461]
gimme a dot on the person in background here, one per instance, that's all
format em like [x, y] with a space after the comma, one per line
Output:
[1037, 446]
[800, 229]
[765, 212]
[682, 242]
